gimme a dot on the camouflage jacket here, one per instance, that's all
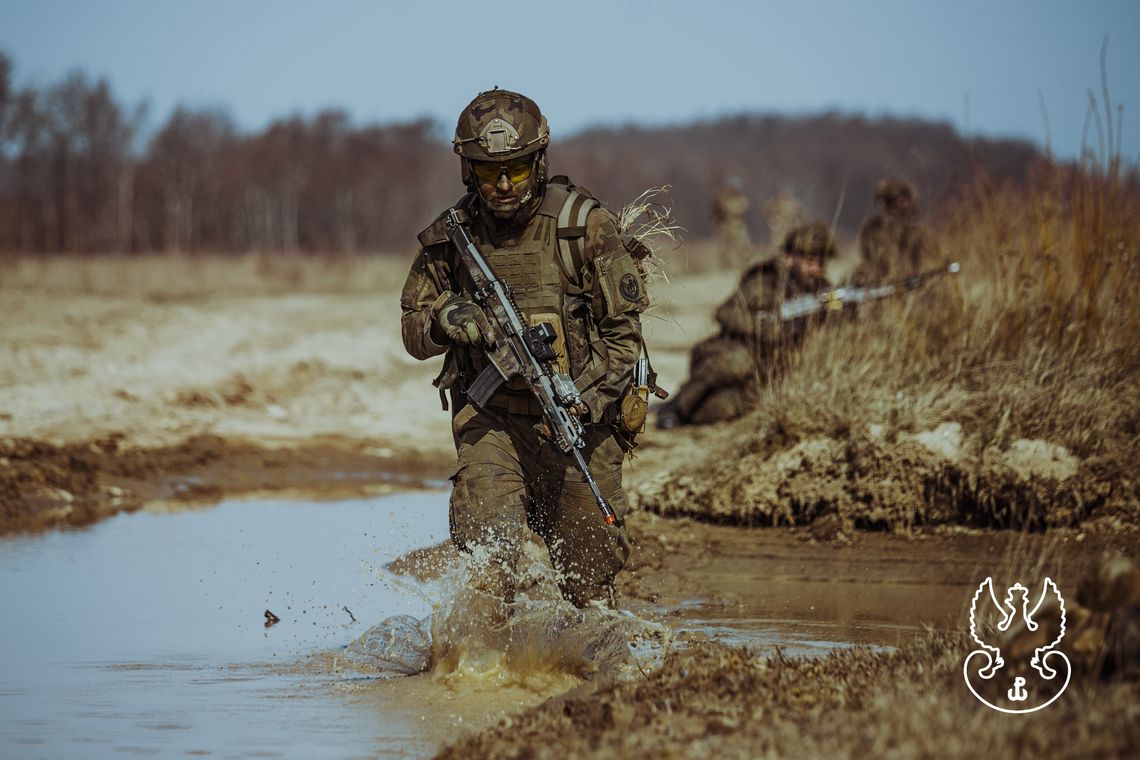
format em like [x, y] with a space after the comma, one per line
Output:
[763, 288]
[598, 306]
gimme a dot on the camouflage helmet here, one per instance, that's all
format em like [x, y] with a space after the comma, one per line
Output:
[890, 190]
[499, 125]
[810, 240]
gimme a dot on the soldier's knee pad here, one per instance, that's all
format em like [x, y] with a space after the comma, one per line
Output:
[723, 404]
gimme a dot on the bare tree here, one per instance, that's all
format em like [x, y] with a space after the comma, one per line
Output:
[182, 172]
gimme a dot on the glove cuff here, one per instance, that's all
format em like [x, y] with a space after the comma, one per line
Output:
[444, 299]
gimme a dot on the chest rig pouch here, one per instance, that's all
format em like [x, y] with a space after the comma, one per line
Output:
[528, 265]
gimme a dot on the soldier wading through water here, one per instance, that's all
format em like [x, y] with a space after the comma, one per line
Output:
[726, 371]
[567, 265]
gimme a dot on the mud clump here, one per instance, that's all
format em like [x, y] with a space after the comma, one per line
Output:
[874, 482]
[45, 485]
[236, 390]
[42, 484]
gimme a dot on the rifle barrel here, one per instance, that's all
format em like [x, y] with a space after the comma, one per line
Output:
[609, 517]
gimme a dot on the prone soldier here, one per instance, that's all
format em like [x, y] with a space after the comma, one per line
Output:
[727, 370]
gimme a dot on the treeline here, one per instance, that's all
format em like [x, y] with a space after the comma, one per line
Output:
[77, 176]
[830, 162]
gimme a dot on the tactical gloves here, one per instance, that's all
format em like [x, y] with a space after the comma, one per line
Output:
[461, 320]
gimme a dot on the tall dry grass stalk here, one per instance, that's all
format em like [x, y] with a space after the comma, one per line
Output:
[1036, 338]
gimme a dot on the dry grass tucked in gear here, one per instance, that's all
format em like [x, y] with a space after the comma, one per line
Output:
[649, 218]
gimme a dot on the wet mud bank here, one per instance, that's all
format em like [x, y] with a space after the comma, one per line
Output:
[904, 601]
[789, 644]
[889, 480]
[44, 485]
[716, 701]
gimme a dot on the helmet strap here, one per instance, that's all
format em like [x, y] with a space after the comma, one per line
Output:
[467, 174]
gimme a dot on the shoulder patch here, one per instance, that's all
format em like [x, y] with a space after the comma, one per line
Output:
[621, 282]
[630, 287]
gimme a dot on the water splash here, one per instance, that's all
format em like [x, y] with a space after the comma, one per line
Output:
[539, 642]
[399, 646]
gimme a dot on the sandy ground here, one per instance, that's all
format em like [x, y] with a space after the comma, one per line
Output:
[166, 394]
[111, 400]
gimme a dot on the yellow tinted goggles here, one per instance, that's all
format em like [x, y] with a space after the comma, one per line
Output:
[516, 171]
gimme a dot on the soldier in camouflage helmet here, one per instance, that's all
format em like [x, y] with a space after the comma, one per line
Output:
[782, 214]
[567, 265]
[893, 243]
[729, 209]
[727, 370]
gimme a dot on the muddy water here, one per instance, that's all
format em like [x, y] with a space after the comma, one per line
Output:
[145, 633]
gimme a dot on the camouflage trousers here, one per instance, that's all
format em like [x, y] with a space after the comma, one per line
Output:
[722, 382]
[508, 478]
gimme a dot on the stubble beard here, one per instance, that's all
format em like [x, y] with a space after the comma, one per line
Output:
[509, 210]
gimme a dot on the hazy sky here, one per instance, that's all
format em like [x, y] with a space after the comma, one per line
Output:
[981, 65]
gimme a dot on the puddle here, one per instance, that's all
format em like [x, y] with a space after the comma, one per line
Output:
[145, 635]
[793, 638]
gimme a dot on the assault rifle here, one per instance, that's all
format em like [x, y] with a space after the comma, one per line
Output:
[519, 350]
[835, 299]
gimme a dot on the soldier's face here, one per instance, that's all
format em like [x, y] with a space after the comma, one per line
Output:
[900, 205]
[504, 187]
[808, 269]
